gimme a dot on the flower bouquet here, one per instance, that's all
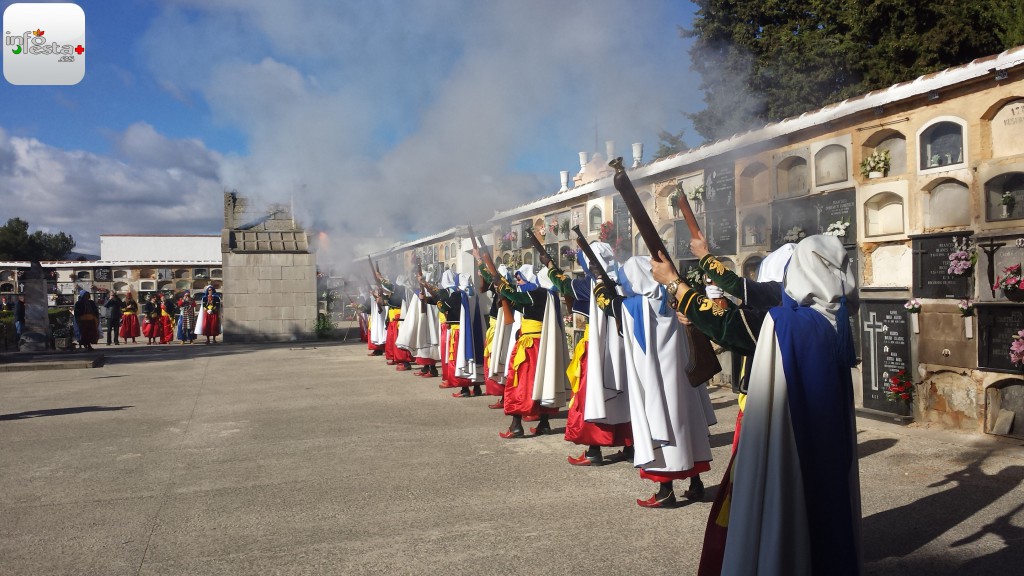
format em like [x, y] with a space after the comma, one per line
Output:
[1017, 348]
[607, 233]
[1007, 201]
[967, 313]
[900, 388]
[913, 306]
[963, 259]
[1010, 283]
[837, 228]
[694, 277]
[794, 234]
[876, 164]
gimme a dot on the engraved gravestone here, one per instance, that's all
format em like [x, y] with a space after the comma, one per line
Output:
[835, 208]
[997, 325]
[931, 264]
[885, 350]
[720, 231]
[793, 220]
[720, 187]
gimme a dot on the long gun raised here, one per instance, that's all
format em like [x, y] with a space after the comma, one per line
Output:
[545, 260]
[489, 263]
[702, 350]
[691, 220]
[595, 265]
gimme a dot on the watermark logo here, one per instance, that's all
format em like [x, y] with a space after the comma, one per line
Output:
[44, 44]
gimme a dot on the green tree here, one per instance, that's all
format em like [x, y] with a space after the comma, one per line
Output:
[764, 61]
[17, 244]
[669, 144]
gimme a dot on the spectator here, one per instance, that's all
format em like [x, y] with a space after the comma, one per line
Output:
[114, 307]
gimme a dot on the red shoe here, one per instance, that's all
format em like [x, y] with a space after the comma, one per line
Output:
[391, 363]
[461, 395]
[403, 367]
[496, 406]
[653, 502]
[583, 460]
[541, 430]
[531, 418]
[512, 433]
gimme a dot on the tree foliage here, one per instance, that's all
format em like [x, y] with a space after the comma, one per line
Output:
[17, 244]
[669, 144]
[765, 60]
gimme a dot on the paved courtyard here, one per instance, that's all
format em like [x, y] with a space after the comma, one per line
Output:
[312, 458]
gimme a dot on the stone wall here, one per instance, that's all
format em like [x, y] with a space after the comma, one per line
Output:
[269, 296]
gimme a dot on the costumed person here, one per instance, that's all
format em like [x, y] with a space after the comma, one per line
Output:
[209, 324]
[167, 310]
[669, 414]
[610, 426]
[360, 310]
[424, 333]
[536, 383]
[397, 302]
[735, 328]
[498, 341]
[448, 304]
[151, 323]
[467, 340]
[186, 319]
[378, 325]
[130, 319]
[87, 317]
[796, 487]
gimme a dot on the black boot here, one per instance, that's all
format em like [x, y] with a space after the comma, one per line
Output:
[515, 430]
[433, 370]
[665, 498]
[696, 489]
[592, 457]
[464, 393]
[477, 391]
[543, 426]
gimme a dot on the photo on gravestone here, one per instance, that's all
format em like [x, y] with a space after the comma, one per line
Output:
[682, 237]
[720, 231]
[720, 187]
[997, 325]
[885, 350]
[837, 214]
[793, 220]
[931, 267]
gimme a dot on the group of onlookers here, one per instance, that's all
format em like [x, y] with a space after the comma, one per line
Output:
[161, 318]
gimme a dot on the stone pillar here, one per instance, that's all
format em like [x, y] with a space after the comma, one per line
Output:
[35, 337]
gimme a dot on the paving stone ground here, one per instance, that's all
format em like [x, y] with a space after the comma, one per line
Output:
[311, 458]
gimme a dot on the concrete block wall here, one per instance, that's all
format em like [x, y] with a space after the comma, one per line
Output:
[269, 296]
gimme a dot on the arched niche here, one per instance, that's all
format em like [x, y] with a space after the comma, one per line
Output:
[753, 185]
[182, 273]
[181, 285]
[750, 267]
[7, 275]
[216, 273]
[7, 287]
[942, 145]
[200, 284]
[791, 177]
[831, 165]
[453, 251]
[165, 285]
[594, 219]
[883, 214]
[528, 257]
[147, 286]
[754, 230]
[1005, 129]
[122, 274]
[148, 274]
[1004, 408]
[892, 141]
[640, 247]
[948, 203]
[83, 275]
[1008, 185]
[121, 287]
[446, 252]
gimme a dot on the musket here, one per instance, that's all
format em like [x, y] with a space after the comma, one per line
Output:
[698, 340]
[691, 220]
[595, 265]
[419, 270]
[489, 263]
[545, 260]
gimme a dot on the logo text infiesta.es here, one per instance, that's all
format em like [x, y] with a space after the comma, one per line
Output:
[44, 44]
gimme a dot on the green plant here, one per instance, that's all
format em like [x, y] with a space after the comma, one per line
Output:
[60, 323]
[877, 161]
[323, 326]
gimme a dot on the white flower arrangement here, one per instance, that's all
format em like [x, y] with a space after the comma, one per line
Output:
[696, 194]
[877, 161]
[794, 234]
[837, 228]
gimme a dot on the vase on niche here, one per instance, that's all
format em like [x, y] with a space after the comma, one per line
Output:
[1014, 295]
[1005, 210]
[969, 327]
[914, 322]
[873, 175]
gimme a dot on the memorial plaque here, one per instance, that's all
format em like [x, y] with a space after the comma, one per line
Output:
[720, 231]
[793, 220]
[720, 187]
[835, 207]
[931, 261]
[885, 350]
[682, 238]
[102, 274]
[552, 250]
[997, 325]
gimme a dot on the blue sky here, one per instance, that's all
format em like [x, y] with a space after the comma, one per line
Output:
[411, 116]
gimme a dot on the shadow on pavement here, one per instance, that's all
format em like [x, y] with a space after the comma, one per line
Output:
[60, 412]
